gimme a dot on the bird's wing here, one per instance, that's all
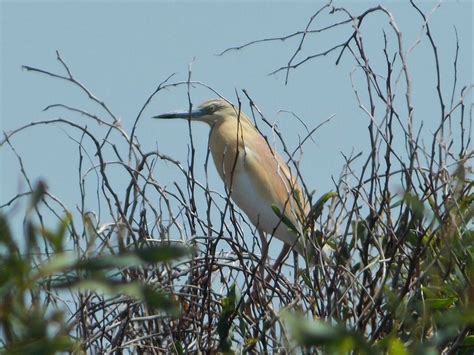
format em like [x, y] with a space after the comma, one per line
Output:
[276, 183]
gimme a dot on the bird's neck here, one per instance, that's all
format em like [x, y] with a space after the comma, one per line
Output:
[227, 143]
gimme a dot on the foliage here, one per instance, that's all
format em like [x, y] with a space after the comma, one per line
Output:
[32, 320]
[393, 240]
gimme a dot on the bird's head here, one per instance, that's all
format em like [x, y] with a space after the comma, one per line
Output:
[211, 111]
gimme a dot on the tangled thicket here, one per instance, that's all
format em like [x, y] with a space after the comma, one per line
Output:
[175, 267]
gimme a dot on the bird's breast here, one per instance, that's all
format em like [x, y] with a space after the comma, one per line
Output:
[249, 196]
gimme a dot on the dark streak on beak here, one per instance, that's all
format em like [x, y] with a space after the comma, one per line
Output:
[182, 114]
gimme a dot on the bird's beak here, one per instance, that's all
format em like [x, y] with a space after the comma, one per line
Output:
[197, 113]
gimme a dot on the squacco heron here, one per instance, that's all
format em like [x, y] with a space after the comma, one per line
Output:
[255, 176]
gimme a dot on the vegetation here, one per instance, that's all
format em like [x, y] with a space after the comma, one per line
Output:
[157, 270]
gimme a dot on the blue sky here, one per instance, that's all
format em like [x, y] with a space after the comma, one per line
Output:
[122, 50]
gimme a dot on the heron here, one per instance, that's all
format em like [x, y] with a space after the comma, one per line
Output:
[256, 177]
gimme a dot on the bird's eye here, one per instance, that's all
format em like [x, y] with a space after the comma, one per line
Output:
[211, 108]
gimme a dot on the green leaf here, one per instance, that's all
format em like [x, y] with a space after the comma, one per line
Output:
[441, 303]
[396, 347]
[318, 333]
[106, 262]
[415, 204]
[306, 279]
[309, 333]
[60, 262]
[284, 219]
[37, 195]
[152, 297]
[160, 300]
[317, 208]
[178, 348]
[161, 253]
[468, 342]
[229, 307]
[6, 236]
[57, 238]
[250, 344]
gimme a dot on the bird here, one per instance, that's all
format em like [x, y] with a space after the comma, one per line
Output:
[256, 177]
